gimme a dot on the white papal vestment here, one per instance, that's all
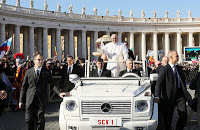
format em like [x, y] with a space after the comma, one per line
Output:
[115, 52]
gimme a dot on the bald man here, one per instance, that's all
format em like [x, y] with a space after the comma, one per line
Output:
[171, 92]
[165, 60]
[116, 52]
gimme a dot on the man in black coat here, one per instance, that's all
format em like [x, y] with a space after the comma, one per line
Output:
[129, 68]
[130, 52]
[171, 92]
[34, 93]
[100, 71]
[70, 68]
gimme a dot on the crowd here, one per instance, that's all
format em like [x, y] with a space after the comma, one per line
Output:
[33, 94]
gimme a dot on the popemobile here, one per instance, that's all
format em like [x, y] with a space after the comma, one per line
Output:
[123, 103]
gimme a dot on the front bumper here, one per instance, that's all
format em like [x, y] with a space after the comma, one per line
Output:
[75, 124]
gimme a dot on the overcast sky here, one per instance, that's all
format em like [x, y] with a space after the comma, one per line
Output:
[160, 6]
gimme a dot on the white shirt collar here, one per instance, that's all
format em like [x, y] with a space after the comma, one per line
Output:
[70, 66]
[172, 65]
[129, 70]
[38, 69]
[100, 70]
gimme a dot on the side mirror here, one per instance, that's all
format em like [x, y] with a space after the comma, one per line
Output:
[73, 78]
[154, 77]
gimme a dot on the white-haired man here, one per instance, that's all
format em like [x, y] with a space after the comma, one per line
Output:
[116, 52]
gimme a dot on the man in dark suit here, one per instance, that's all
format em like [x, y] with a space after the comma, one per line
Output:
[129, 68]
[130, 52]
[171, 92]
[82, 66]
[34, 93]
[100, 71]
[71, 68]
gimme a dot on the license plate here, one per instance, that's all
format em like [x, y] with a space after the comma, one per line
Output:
[105, 121]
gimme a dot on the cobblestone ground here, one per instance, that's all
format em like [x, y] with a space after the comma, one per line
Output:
[15, 120]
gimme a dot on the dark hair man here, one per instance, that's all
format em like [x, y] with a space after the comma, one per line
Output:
[100, 71]
[130, 52]
[70, 68]
[34, 93]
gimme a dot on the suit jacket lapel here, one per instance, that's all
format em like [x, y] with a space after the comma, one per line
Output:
[96, 73]
[34, 75]
[41, 73]
[103, 73]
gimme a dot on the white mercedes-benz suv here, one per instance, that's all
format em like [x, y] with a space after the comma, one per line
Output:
[124, 103]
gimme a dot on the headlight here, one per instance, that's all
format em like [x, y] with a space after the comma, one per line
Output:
[71, 105]
[142, 105]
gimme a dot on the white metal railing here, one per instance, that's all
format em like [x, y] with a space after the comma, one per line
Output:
[88, 66]
[93, 17]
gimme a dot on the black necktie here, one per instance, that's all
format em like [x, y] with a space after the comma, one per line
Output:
[69, 71]
[177, 77]
[37, 75]
[99, 73]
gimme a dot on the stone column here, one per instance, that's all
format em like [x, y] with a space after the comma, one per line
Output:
[120, 36]
[91, 46]
[58, 43]
[143, 46]
[17, 39]
[167, 43]
[190, 39]
[31, 42]
[143, 50]
[71, 43]
[155, 45]
[2, 33]
[79, 44]
[53, 42]
[10, 34]
[179, 46]
[132, 41]
[45, 43]
[66, 44]
[25, 42]
[84, 45]
[39, 40]
[95, 38]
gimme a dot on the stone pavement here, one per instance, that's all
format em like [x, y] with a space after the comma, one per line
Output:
[15, 120]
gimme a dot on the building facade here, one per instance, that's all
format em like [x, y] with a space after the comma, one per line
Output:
[75, 34]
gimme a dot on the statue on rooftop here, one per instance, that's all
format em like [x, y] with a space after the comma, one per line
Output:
[154, 14]
[70, 8]
[18, 3]
[166, 14]
[189, 14]
[107, 12]
[83, 9]
[95, 11]
[3, 1]
[119, 13]
[131, 13]
[45, 5]
[58, 7]
[31, 4]
[142, 13]
[178, 14]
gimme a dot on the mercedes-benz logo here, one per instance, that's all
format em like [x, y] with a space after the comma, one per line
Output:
[106, 107]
